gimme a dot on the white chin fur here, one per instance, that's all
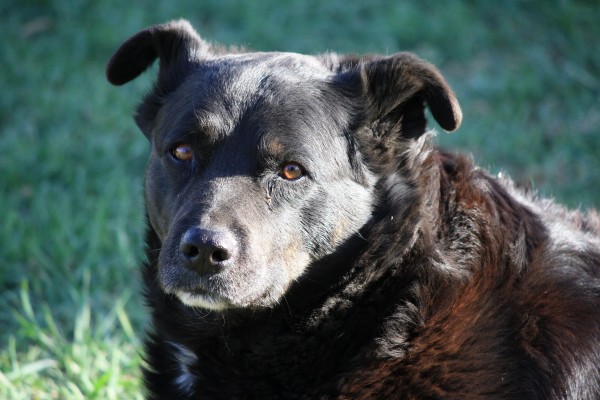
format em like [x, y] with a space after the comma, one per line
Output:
[197, 300]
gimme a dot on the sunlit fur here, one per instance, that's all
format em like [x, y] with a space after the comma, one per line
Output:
[389, 270]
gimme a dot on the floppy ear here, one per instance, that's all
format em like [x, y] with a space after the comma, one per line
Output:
[176, 44]
[396, 89]
[178, 47]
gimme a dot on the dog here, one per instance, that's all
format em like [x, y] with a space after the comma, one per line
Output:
[307, 240]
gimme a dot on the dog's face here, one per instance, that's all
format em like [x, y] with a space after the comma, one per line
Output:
[244, 155]
[256, 170]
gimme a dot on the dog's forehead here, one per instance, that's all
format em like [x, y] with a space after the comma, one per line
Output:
[269, 92]
[291, 67]
[241, 80]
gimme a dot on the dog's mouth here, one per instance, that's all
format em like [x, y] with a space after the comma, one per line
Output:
[240, 282]
[202, 299]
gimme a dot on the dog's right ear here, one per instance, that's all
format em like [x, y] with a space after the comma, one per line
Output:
[176, 44]
[178, 48]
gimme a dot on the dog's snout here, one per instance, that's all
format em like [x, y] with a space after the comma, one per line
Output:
[207, 251]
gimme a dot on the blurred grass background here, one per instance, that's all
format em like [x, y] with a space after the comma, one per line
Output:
[527, 74]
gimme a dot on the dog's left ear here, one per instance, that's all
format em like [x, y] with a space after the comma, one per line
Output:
[396, 89]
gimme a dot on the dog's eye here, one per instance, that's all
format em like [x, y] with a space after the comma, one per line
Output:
[291, 171]
[183, 152]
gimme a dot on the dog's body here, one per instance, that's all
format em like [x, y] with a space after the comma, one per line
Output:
[306, 240]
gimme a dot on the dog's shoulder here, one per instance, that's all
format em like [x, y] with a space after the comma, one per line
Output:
[512, 307]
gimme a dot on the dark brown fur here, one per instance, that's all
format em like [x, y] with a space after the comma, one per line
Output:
[516, 327]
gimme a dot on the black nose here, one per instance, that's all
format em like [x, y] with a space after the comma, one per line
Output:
[207, 251]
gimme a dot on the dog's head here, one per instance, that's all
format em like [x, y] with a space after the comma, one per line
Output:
[256, 169]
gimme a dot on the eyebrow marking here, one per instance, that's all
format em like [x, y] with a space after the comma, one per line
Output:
[275, 147]
[211, 125]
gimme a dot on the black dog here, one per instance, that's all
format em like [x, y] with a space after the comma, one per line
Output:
[306, 240]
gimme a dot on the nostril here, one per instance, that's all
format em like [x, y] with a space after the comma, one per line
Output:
[189, 250]
[219, 255]
[206, 251]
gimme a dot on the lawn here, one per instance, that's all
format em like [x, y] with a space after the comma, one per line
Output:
[527, 74]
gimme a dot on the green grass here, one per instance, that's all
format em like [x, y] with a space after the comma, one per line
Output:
[527, 74]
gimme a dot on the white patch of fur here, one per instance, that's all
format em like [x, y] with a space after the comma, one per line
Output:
[565, 238]
[185, 358]
[197, 300]
[563, 234]
[419, 150]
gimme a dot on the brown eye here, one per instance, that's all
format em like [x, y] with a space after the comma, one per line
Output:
[183, 152]
[291, 171]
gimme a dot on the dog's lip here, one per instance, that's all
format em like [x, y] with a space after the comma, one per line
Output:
[202, 299]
